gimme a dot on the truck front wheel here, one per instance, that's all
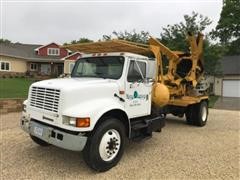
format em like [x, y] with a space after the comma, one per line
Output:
[197, 114]
[105, 146]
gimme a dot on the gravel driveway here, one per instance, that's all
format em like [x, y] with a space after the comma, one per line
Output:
[179, 151]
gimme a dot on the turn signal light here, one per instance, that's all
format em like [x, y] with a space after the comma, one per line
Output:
[82, 122]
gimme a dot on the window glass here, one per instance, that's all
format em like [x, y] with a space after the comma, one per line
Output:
[101, 67]
[33, 66]
[4, 66]
[136, 70]
[7, 66]
[53, 51]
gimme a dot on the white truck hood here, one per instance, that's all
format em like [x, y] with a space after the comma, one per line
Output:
[70, 83]
[78, 97]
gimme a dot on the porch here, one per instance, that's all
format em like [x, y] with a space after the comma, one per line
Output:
[44, 70]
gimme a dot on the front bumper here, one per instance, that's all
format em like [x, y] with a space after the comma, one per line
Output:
[53, 135]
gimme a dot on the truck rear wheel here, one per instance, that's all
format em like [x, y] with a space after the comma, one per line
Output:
[105, 146]
[189, 114]
[197, 114]
[39, 141]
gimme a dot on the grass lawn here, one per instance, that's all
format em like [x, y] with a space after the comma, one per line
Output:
[212, 101]
[14, 87]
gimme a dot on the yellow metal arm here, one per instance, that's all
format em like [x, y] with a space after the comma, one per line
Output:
[176, 82]
[158, 50]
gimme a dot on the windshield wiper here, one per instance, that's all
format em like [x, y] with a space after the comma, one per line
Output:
[98, 74]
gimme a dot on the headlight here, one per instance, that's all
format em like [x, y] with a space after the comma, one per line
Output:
[69, 121]
[72, 121]
[76, 122]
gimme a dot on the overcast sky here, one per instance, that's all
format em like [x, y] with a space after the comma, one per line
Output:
[44, 22]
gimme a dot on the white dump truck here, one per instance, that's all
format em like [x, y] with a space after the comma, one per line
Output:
[110, 97]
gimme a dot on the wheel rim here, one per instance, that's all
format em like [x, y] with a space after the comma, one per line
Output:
[204, 113]
[109, 145]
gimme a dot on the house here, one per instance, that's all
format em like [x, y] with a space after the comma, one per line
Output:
[69, 61]
[32, 59]
[228, 85]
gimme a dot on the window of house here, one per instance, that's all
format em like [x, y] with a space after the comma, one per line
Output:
[33, 66]
[4, 66]
[54, 51]
[136, 71]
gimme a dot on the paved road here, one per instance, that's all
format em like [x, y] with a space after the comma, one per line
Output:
[179, 151]
[228, 103]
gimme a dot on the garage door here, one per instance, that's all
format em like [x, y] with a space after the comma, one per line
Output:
[231, 88]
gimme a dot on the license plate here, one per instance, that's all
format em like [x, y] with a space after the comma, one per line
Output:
[38, 131]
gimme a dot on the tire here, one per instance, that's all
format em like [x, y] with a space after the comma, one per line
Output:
[197, 114]
[201, 114]
[39, 141]
[105, 146]
[189, 115]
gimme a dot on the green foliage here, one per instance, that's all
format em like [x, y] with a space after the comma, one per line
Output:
[234, 47]
[212, 101]
[212, 53]
[133, 36]
[6, 41]
[228, 28]
[81, 40]
[174, 36]
[14, 87]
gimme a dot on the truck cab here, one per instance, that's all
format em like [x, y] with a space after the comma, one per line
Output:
[106, 100]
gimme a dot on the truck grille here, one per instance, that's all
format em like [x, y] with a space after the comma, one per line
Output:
[45, 98]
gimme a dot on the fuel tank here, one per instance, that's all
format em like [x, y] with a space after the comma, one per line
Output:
[160, 94]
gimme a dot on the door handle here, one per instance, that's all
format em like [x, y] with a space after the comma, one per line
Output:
[121, 99]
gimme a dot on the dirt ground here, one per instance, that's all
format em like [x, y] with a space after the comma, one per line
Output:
[179, 151]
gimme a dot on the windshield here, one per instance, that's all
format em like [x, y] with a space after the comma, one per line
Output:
[110, 67]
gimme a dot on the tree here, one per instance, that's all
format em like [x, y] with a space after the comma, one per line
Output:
[6, 41]
[174, 37]
[228, 28]
[81, 40]
[212, 53]
[133, 36]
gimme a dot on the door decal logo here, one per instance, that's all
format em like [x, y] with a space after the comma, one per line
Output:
[135, 95]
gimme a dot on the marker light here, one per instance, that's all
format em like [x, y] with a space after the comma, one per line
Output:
[82, 122]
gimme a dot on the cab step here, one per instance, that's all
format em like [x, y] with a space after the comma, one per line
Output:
[142, 128]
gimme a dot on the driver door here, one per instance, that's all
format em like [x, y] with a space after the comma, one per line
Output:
[138, 92]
